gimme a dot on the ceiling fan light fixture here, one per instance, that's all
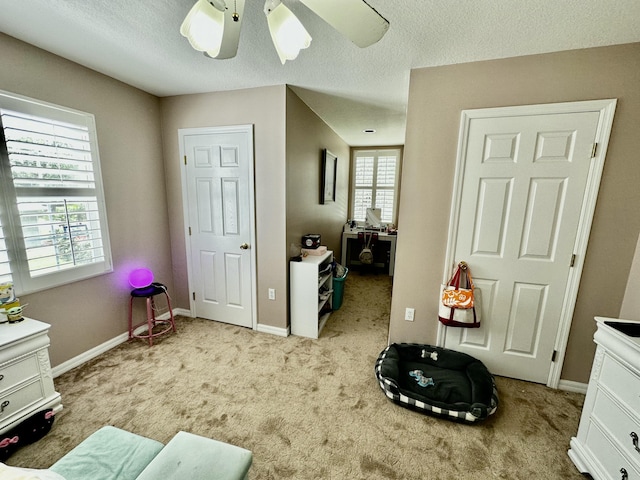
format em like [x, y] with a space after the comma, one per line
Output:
[219, 4]
[204, 26]
[287, 32]
[355, 19]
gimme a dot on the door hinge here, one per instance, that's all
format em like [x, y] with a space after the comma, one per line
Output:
[189, 231]
[594, 149]
[554, 355]
[573, 260]
[185, 159]
[193, 295]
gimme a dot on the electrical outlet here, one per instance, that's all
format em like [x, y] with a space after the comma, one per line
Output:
[272, 294]
[409, 314]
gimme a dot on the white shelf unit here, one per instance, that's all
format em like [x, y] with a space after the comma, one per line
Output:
[607, 443]
[26, 381]
[311, 294]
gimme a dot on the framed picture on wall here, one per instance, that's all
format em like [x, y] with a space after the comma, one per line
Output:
[329, 172]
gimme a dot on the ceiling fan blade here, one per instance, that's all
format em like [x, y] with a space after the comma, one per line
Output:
[231, 35]
[355, 19]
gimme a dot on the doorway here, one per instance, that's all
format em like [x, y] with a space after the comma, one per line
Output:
[525, 189]
[218, 199]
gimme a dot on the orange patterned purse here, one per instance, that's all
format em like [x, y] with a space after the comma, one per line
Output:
[455, 297]
[460, 307]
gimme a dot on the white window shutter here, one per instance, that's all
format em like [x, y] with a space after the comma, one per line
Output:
[375, 182]
[5, 268]
[51, 161]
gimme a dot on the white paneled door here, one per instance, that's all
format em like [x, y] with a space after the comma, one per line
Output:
[218, 184]
[526, 186]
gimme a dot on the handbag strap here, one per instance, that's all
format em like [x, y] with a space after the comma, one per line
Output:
[469, 279]
[455, 279]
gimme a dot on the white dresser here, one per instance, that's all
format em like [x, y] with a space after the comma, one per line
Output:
[26, 381]
[608, 442]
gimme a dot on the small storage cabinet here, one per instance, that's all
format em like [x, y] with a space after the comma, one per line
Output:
[26, 380]
[311, 294]
[607, 444]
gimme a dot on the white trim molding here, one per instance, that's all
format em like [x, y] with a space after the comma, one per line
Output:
[114, 342]
[575, 387]
[78, 360]
[281, 332]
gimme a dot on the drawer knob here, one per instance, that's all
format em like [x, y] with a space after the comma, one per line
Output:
[1, 376]
[4, 405]
[625, 475]
[634, 439]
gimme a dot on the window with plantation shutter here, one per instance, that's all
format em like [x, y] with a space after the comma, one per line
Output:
[375, 177]
[52, 207]
[5, 268]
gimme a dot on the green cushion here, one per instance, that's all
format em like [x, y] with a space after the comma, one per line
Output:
[191, 457]
[108, 454]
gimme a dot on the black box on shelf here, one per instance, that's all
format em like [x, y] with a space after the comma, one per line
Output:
[311, 240]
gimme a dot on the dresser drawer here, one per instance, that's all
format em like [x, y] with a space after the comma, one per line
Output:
[623, 382]
[613, 463]
[19, 399]
[17, 372]
[618, 423]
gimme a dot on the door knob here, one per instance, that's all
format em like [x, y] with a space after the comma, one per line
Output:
[244, 246]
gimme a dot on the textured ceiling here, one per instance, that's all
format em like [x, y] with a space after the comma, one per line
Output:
[138, 42]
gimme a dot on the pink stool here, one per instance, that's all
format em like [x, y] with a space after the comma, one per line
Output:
[148, 293]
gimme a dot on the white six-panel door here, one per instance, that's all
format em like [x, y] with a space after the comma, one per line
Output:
[522, 201]
[218, 182]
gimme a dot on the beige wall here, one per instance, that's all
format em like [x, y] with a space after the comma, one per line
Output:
[88, 313]
[436, 98]
[631, 303]
[307, 135]
[264, 108]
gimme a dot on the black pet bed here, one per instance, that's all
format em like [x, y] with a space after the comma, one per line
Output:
[437, 381]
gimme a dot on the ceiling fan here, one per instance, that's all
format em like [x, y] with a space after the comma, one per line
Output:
[213, 27]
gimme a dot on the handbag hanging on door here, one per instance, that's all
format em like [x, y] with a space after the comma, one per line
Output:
[458, 304]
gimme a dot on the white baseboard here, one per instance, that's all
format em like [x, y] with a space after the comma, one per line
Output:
[281, 332]
[108, 345]
[575, 387]
[114, 342]
[183, 312]
[88, 355]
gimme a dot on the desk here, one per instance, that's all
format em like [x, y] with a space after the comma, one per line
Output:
[350, 237]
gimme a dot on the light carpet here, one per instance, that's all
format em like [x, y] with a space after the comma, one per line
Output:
[307, 409]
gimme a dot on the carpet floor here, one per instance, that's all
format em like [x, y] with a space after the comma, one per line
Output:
[307, 409]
